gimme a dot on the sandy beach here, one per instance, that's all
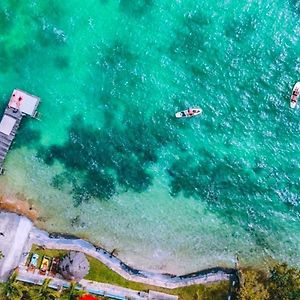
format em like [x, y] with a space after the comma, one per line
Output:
[18, 206]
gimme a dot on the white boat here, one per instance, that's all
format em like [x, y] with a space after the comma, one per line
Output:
[188, 113]
[295, 95]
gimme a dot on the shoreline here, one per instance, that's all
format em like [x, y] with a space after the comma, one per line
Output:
[20, 207]
[58, 241]
[166, 280]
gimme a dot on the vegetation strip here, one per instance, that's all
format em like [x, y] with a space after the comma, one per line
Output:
[101, 273]
[56, 241]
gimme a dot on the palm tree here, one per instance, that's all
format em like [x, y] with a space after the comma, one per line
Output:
[72, 293]
[44, 292]
[12, 290]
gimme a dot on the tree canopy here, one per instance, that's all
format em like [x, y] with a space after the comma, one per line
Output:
[44, 292]
[72, 293]
[251, 286]
[12, 290]
[282, 283]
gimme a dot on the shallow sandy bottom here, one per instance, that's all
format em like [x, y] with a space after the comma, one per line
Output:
[18, 206]
[170, 195]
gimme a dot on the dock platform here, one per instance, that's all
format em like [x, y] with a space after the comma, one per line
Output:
[20, 105]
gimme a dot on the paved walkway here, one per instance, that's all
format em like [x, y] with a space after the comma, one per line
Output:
[14, 234]
[42, 238]
[97, 288]
[102, 289]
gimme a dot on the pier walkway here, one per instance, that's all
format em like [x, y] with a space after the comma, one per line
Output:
[20, 104]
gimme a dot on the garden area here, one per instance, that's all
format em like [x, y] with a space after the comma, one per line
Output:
[99, 272]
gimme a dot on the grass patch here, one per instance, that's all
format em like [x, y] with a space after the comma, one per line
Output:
[101, 273]
[48, 252]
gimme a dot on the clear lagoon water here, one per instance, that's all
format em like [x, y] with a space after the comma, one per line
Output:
[109, 162]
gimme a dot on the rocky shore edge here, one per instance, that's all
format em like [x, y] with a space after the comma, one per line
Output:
[69, 242]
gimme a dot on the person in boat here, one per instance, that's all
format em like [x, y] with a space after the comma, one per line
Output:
[19, 102]
[295, 95]
[190, 112]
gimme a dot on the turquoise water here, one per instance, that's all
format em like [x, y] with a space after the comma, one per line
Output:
[109, 162]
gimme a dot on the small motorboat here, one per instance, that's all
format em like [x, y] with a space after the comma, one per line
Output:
[188, 113]
[295, 95]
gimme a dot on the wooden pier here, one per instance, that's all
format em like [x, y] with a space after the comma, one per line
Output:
[20, 104]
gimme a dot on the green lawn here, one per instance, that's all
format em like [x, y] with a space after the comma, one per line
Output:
[101, 273]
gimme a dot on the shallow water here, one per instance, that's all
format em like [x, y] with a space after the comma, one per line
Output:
[109, 162]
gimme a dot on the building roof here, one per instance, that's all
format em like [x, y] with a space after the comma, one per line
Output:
[74, 266]
[24, 102]
[7, 124]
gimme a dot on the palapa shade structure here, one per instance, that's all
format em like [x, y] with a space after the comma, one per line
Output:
[74, 266]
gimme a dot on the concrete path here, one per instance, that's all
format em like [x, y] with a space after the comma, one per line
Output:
[14, 232]
[42, 238]
[102, 289]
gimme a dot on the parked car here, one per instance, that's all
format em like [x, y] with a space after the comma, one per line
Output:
[54, 266]
[33, 263]
[45, 265]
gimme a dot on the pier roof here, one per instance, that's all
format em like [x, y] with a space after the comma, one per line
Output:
[7, 124]
[24, 102]
[20, 104]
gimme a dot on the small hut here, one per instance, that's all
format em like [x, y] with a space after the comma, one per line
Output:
[74, 266]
